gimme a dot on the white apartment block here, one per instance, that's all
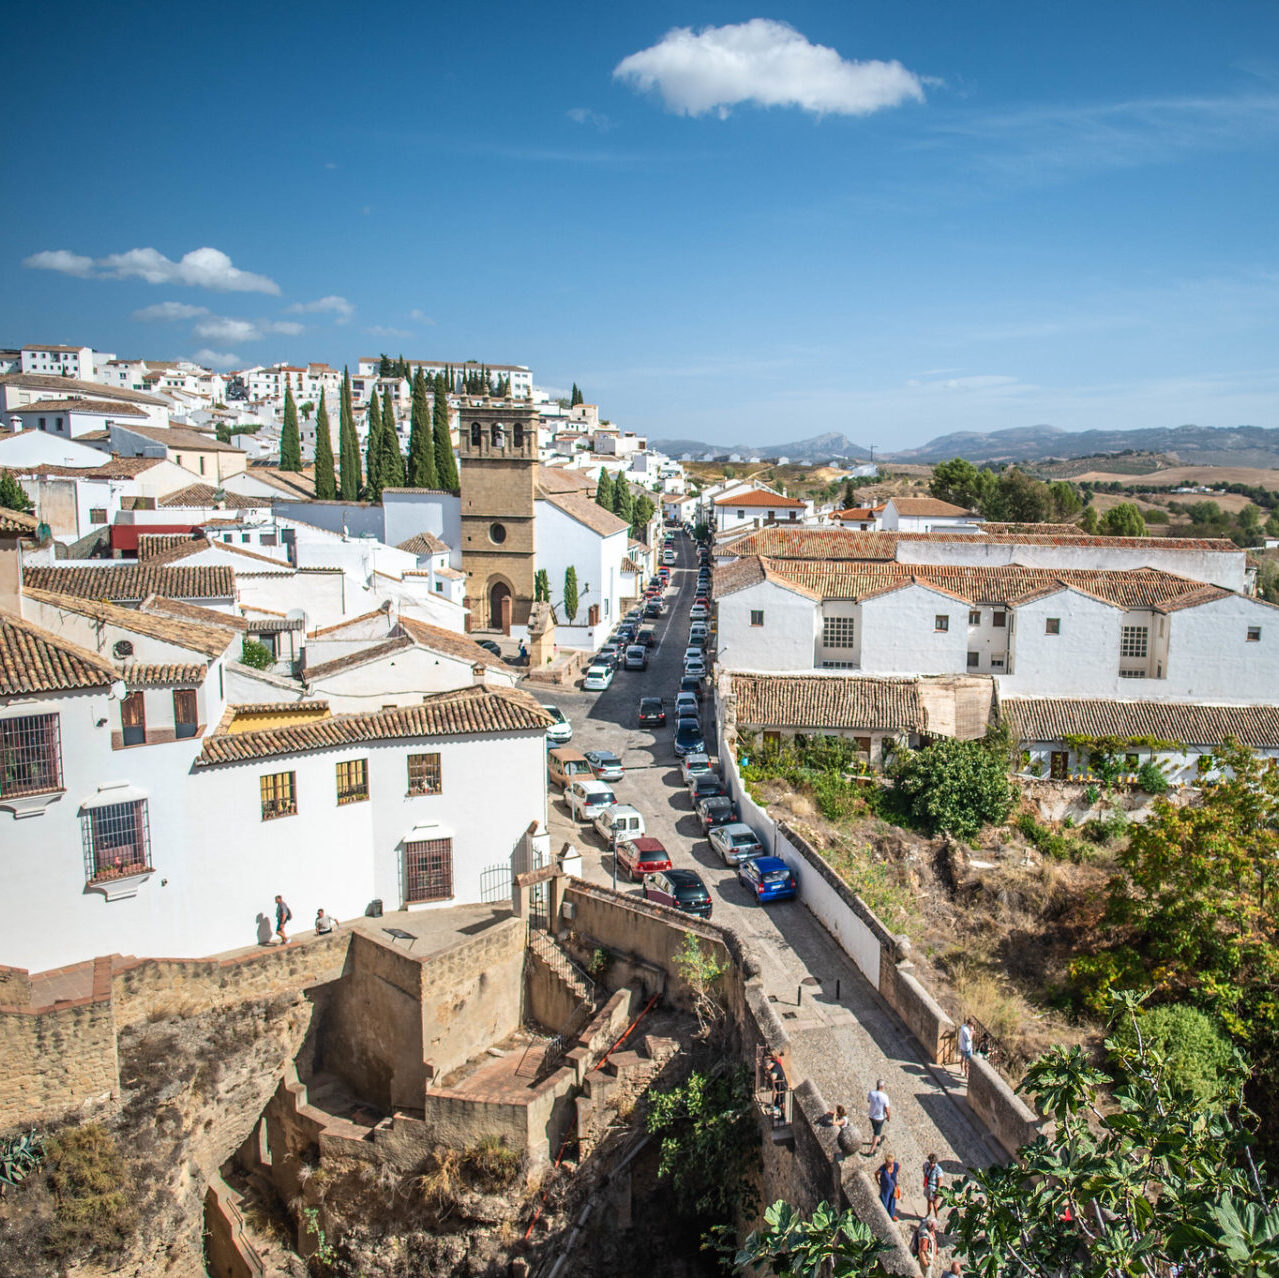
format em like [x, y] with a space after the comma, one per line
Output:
[61, 361]
[520, 375]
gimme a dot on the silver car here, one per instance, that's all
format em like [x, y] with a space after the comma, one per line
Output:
[735, 843]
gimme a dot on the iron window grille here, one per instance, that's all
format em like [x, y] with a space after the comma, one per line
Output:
[279, 795]
[1133, 641]
[30, 755]
[353, 781]
[838, 632]
[425, 774]
[117, 840]
[428, 870]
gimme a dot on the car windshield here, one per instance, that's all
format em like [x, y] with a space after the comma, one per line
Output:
[554, 713]
[776, 876]
[606, 798]
[716, 803]
[688, 732]
[650, 704]
[690, 892]
[606, 760]
[744, 840]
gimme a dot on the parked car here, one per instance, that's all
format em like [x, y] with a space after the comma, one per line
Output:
[586, 799]
[680, 889]
[647, 636]
[668, 557]
[654, 608]
[697, 612]
[489, 646]
[686, 706]
[688, 737]
[625, 635]
[609, 655]
[636, 657]
[561, 731]
[715, 810]
[704, 785]
[767, 878]
[563, 764]
[694, 762]
[697, 634]
[735, 842]
[652, 713]
[598, 678]
[694, 652]
[633, 616]
[693, 684]
[620, 821]
[638, 857]
[694, 666]
[606, 765]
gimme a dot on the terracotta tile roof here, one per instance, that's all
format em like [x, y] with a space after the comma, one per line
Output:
[349, 621]
[559, 479]
[629, 565]
[466, 712]
[582, 508]
[992, 526]
[756, 497]
[159, 606]
[177, 437]
[205, 496]
[1052, 718]
[156, 547]
[17, 521]
[858, 514]
[1075, 538]
[34, 660]
[424, 543]
[361, 657]
[828, 701]
[102, 407]
[925, 506]
[455, 573]
[300, 484]
[817, 543]
[146, 674]
[73, 385]
[115, 468]
[449, 642]
[318, 706]
[120, 580]
[212, 641]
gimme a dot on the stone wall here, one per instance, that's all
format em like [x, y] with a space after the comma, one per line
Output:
[992, 1099]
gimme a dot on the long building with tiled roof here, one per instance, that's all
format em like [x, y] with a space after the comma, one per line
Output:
[821, 703]
[130, 583]
[1035, 719]
[33, 659]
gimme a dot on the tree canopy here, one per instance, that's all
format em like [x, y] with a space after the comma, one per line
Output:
[570, 593]
[325, 481]
[290, 442]
[1124, 520]
[12, 494]
[445, 463]
[420, 471]
[348, 444]
[955, 787]
[604, 490]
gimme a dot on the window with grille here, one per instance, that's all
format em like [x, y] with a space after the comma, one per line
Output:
[186, 719]
[30, 755]
[1052, 625]
[941, 622]
[117, 840]
[838, 632]
[428, 865]
[425, 775]
[97, 515]
[133, 719]
[353, 781]
[757, 616]
[279, 793]
[1133, 641]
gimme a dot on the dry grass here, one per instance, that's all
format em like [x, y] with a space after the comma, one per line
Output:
[440, 1183]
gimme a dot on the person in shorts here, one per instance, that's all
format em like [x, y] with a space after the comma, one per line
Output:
[879, 1111]
[965, 1045]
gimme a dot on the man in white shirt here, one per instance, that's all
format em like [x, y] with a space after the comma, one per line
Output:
[879, 1111]
[965, 1045]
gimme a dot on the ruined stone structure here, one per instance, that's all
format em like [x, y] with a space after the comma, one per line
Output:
[497, 446]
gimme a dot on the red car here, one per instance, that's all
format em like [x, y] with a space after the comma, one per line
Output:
[638, 857]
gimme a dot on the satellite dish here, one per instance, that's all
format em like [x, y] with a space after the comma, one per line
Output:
[119, 690]
[296, 616]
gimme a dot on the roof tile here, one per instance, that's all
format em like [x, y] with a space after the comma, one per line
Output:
[1053, 718]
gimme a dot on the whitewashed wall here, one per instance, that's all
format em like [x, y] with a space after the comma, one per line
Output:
[785, 641]
[899, 634]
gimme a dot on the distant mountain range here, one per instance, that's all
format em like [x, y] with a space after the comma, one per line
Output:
[1192, 445]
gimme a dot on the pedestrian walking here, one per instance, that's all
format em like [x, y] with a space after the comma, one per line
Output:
[889, 1189]
[283, 915]
[879, 1111]
[965, 1045]
[932, 1186]
[324, 923]
[926, 1243]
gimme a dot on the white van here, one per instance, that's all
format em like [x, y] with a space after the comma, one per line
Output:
[621, 821]
[586, 799]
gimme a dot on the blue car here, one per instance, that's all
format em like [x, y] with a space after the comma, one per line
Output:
[768, 878]
[688, 738]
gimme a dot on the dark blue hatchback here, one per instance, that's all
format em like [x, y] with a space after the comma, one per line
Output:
[767, 878]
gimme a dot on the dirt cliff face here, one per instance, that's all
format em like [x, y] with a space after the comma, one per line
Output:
[192, 1088]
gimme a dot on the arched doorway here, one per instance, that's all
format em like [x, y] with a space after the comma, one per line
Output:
[500, 607]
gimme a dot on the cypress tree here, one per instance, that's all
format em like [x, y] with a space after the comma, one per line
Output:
[570, 593]
[421, 464]
[604, 490]
[348, 443]
[325, 485]
[373, 452]
[622, 499]
[445, 463]
[392, 459]
[290, 444]
[576, 397]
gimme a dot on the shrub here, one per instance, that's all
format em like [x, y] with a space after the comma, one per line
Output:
[492, 1164]
[1191, 1042]
[1151, 778]
[956, 787]
[94, 1210]
[257, 655]
[1092, 794]
[1107, 826]
[1092, 976]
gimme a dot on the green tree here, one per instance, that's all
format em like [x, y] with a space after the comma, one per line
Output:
[576, 397]
[1124, 520]
[391, 468]
[290, 443]
[849, 499]
[955, 787]
[826, 1244]
[570, 593]
[542, 586]
[960, 482]
[1018, 498]
[421, 464]
[1196, 1050]
[373, 452]
[604, 490]
[445, 463]
[348, 444]
[1089, 523]
[1135, 1177]
[1067, 502]
[642, 510]
[12, 496]
[325, 482]
[622, 503]
[255, 654]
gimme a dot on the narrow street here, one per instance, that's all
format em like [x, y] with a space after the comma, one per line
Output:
[843, 1045]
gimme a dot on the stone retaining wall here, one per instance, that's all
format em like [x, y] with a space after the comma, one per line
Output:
[1011, 1121]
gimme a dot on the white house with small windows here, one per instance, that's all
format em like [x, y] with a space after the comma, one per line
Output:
[755, 506]
[925, 514]
[61, 361]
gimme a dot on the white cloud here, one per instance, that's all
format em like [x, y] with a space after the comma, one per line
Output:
[217, 359]
[169, 311]
[333, 303]
[62, 260]
[381, 330]
[218, 328]
[765, 62]
[420, 316]
[201, 268]
[596, 119]
[290, 328]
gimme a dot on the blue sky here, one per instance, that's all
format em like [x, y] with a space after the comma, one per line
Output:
[891, 219]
